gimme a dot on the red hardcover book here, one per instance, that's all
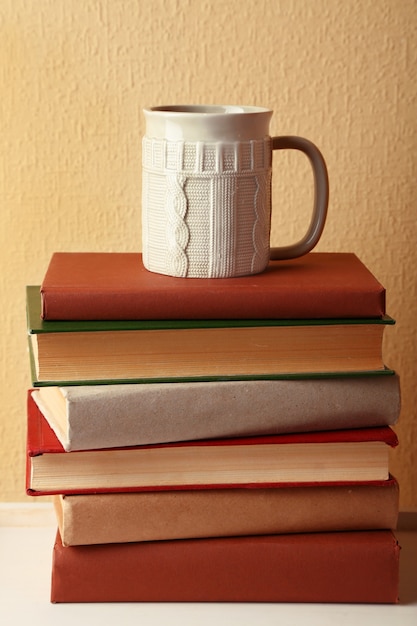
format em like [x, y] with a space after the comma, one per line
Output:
[113, 285]
[340, 456]
[360, 566]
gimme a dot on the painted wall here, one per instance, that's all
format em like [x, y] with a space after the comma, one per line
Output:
[74, 77]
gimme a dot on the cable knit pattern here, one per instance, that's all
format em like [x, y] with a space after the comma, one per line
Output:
[261, 204]
[177, 233]
[206, 207]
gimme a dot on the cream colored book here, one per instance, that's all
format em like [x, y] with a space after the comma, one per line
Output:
[101, 416]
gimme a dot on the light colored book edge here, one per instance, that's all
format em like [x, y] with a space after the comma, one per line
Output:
[22, 514]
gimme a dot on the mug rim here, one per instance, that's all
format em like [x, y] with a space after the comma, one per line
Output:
[206, 109]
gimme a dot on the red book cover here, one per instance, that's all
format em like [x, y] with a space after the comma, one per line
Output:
[116, 286]
[41, 440]
[361, 566]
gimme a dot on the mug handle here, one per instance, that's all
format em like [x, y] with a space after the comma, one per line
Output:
[321, 197]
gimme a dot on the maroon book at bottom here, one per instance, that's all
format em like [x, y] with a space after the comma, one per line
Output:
[345, 567]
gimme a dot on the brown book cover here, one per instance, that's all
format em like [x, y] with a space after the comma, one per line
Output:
[162, 515]
[114, 285]
[337, 456]
[359, 566]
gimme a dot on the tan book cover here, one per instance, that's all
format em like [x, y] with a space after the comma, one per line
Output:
[127, 517]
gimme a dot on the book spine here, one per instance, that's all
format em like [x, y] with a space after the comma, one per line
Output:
[74, 305]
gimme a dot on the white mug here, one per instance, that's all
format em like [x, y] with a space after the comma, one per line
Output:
[206, 191]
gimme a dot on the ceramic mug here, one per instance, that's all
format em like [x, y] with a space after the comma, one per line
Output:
[206, 191]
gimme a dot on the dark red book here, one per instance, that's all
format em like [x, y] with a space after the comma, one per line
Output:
[325, 457]
[361, 566]
[116, 286]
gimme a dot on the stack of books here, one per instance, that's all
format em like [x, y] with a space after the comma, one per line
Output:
[220, 440]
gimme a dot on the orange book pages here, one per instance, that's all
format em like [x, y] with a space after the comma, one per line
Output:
[208, 352]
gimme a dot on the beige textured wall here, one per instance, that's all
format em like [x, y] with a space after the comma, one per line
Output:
[74, 77]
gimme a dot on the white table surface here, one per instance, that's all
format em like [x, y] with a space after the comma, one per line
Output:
[25, 570]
